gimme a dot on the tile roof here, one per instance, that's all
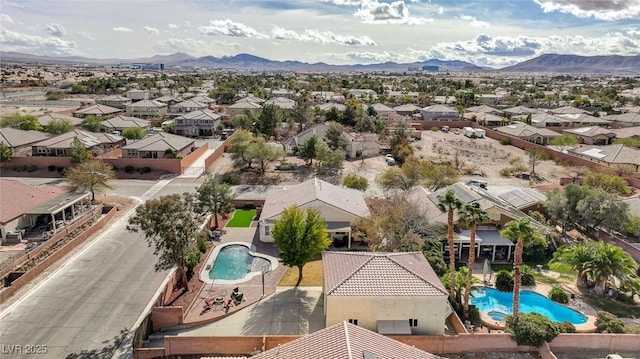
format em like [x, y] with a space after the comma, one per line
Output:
[567, 109]
[147, 103]
[242, 104]
[346, 199]
[329, 105]
[439, 109]
[629, 117]
[345, 341]
[14, 137]
[160, 142]
[281, 102]
[200, 115]
[483, 109]
[89, 139]
[379, 274]
[614, 154]
[591, 131]
[17, 197]
[521, 110]
[319, 130]
[45, 120]
[125, 122]
[98, 110]
[545, 118]
[190, 103]
[626, 132]
[523, 130]
[407, 108]
[583, 118]
[114, 98]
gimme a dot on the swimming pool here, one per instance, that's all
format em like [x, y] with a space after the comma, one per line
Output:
[498, 303]
[235, 263]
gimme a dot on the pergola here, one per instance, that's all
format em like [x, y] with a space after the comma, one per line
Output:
[61, 210]
[339, 228]
[487, 242]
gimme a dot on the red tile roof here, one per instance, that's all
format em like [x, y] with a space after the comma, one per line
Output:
[379, 274]
[344, 341]
[17, 198]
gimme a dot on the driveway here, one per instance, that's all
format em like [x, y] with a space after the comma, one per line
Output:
[290, 311]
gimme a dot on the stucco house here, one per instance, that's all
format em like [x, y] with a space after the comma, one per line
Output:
[385, 112]
[24, 207]
[138, 95]
[540, 136]
[583, 119]
[197, 123]
[407, 110]
[156, 146]
[60, 145]
[97, 110]
[344, 341]
[330, 105]
[116, 101]
[147, 109]
[46, 119]
[629, 119]
[339, 206]
[239, 107]
[281, 102]
[612, 155]
[121, 123]
[187, 106]
[21, 142]
[592, 135]
[439, 112]
[390, 293]
[319, 130]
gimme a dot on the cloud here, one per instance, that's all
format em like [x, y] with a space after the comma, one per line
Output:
[367, 57]
[4, 18]
[173, 26]
[230, 28]
[344, 2]
[122, 29]
[321, 37]
[151, 30]
[86, 35]
[608, 10]
[396, 12]
[187, 23]
[56, 30]
[15, 41]
[473, 22]
[440, 10]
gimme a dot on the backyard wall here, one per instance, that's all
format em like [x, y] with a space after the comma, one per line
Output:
[428, 124]
[165, 317]
[58, 254]
[634, 251]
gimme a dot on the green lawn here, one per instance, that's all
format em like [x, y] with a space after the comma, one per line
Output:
[242, 218]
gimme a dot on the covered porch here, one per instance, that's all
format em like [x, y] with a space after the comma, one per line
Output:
[46, 219]
[489, 244]
[341, 235]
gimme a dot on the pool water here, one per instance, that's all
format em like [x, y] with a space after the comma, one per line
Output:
[497, 315]
[234, 262]
[497, 302]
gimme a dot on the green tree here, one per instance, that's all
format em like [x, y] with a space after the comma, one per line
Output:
[92, 123]
[533, 329]
[404, 178]
[57, 126]
[171, 225]
[263, 154]
[78, 152]
[21, 121]
[5, 152]
[134, 133]
[471, 215]
[329, 160]
[91, 175]
[300, 113]
[308, 150]
[602, 209]
[522, 233]
[564, 142]
[608, 182]
[215, 197]
[268, 120]
[449, 203]
[439, 175]
[335, 136]
[245, 121]
[239, 149]
[300, 236]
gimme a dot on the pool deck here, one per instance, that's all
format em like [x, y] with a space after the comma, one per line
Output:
[196, 315]
[542, 288]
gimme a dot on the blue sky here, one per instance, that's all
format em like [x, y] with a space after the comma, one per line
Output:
[485, 32]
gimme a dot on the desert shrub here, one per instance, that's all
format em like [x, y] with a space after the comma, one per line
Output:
[356, 182]
[435, 129]
[504, 281]
[51, 168]
[532, 329]
[609, 323]
[33, 168]
[60, 169]
[527, 276]
[566, 327]
[474, 315]
[505, 141]
[25, 168]
[192, 259]
[145, 169]
[557, 294]
[230, 179]
[202, 242]
[129, 169]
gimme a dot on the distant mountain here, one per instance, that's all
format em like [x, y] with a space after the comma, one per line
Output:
[579, 64]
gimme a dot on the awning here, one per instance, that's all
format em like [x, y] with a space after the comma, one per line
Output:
[58, 204]
[394, 327]
[338, 226]
[485, 238]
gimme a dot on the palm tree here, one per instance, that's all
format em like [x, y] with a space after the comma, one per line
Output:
[609, 261]
[449, 203]
[575, 257]
[471, 214]
[522, 233]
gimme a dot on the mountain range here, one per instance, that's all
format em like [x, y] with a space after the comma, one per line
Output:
[547, 63]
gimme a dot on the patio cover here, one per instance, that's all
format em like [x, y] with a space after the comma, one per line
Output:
[338, 227]
[484, 238]
[58, 204]
[394, 327]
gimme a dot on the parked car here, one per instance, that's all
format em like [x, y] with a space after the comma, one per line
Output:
[390, 160]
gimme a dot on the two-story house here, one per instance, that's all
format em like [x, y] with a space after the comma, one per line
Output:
[197, 123]
[147, 109]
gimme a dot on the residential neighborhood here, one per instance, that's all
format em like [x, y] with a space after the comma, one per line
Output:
[302, 216]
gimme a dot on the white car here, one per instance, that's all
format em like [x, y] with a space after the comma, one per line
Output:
[390, 160]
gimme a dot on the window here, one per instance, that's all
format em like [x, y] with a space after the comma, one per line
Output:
[267, 230]
[413, 322]
[132, 153]
[353, 321]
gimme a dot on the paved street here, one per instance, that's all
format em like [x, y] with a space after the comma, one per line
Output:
[88, 303]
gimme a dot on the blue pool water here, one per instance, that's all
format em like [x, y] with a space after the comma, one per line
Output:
[233, 262]
[496, 303]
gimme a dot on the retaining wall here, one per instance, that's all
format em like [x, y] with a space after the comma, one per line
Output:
[165, 317]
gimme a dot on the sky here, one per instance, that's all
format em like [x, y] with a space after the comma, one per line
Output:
[491, 33]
